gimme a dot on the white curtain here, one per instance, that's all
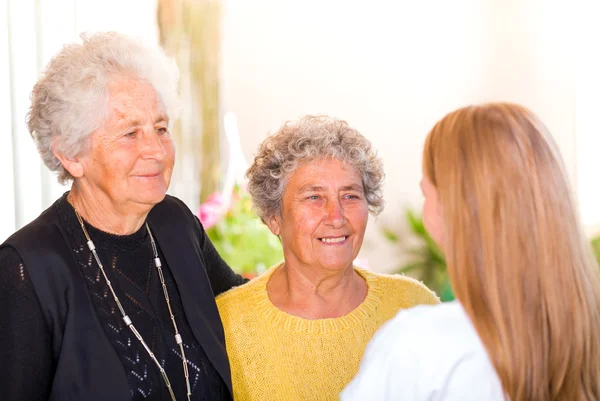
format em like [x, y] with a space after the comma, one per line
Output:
[31, 32]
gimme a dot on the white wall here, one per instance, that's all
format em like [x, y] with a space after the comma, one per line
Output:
[587, 107]
[392, 69]
[532, 61]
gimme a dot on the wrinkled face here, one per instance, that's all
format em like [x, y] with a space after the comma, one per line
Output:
[131, 156]
[432, 213]
[324, 215]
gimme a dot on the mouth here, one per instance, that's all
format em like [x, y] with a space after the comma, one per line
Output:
[151, 175]
[333, 240]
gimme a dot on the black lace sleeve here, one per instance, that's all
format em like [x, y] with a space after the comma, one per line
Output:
[221, 277]
[26, 367]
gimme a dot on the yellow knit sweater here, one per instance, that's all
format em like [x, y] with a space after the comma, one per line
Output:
[275, 356]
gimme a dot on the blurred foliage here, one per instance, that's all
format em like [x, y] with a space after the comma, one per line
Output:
[243, 240]
[596, 248]
[427, 262]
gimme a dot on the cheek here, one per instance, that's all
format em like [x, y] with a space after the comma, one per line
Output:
[361, 218]
[432, 221]
[428, 215]
[304, 222]
[170, 150]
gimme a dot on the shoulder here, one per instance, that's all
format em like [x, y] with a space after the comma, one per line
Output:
[171, 204]
[10, 261]
[442, 351]
[402, 290]
[173, 201]
[45, 226]
[245, 311]
[434, 333]
[172, 213]
[242, 294]
[428, 318]
[424, 351]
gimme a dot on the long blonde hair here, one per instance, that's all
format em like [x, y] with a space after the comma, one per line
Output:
[517, 257]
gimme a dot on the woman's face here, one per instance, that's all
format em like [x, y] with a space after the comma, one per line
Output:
[324, 215]
[432, 213]
[131, 156]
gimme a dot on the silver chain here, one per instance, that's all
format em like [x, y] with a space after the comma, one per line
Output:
[128, 321]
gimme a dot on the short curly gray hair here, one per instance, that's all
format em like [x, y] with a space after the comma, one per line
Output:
[70, 101]
[311, 138]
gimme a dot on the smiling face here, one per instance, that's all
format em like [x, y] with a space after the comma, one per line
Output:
[324, 215]
[131, 157]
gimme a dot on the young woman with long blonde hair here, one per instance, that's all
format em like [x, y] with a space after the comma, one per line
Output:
[526, 326]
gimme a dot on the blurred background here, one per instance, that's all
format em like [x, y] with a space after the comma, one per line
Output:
[390, 68]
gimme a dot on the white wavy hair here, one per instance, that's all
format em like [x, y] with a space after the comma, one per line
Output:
[313, 137]
[70, 100]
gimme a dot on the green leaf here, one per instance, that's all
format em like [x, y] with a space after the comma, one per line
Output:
[427, 260]
[390, 235]
[596, 248]
[242, 240]
[410, 267]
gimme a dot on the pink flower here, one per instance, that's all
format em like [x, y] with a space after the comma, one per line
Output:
[211, 211]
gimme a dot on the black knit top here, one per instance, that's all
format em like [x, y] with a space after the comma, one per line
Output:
[27, 366]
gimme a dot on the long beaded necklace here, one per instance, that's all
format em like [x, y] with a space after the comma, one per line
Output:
[128, 321]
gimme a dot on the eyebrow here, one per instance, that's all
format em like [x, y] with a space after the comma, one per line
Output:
[310, 188]
[317, 188]
[352, 187]
[126, 123]
[161, 118]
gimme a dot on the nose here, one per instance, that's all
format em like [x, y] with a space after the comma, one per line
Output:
[335, 214]
[152, 146]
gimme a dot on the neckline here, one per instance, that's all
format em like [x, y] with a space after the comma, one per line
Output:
[101, 239]
[327, 325]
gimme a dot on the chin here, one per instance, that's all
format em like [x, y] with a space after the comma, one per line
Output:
[338, 267]
[151, 192]
[151, 197]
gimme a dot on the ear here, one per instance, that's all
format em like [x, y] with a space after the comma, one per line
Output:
[72, 165]
[274, 224]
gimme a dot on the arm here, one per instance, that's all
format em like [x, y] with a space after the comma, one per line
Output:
[25, 342]
[221, 277]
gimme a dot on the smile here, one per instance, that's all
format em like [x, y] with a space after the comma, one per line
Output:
[333, 240]
[148, 175]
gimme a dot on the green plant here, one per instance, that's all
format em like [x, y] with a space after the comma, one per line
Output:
[240, 237]
[427, 261]
[596, 248]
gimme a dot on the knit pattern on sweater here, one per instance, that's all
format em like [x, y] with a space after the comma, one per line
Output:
[275, 356]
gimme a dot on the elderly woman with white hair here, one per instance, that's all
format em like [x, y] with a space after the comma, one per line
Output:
[298, 332]
[109, 293]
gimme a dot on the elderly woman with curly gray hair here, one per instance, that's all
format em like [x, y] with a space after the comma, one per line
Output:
[298, 332]
[110, 293]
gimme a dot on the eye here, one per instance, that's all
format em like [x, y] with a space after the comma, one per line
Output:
[131, 134]
[162, 131]
[313, 197]
[351, 196]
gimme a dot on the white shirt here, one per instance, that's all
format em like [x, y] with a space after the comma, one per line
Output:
[427, 353]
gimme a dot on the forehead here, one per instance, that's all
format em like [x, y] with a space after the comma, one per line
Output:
[325, 174]
[132, 98]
